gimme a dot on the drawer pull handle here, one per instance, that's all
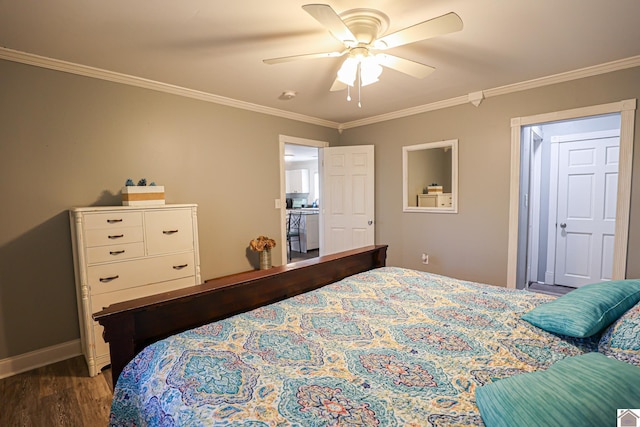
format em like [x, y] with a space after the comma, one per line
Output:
[179, 267]
[116, 252]
[113, 221]
[108, 279]
[116, 236]
[169, 231]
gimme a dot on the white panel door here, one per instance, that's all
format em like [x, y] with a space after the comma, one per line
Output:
[348, 198]
[585, 228]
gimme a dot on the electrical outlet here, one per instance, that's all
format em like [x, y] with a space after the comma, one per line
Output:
[425, 259]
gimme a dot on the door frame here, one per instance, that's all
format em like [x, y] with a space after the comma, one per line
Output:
[626, 109]
[535, 146]
[283, 140]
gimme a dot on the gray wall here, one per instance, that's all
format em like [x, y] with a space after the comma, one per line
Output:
[472, 244]
[73, 141]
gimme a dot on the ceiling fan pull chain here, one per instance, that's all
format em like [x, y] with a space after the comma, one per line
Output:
[359, 85]
[348, 93]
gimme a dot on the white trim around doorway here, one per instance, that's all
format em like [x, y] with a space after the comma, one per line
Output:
[626, 109]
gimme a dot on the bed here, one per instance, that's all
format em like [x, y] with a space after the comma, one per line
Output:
[382, 346]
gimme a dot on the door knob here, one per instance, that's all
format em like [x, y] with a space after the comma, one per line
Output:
[563, 225]
[370, 222]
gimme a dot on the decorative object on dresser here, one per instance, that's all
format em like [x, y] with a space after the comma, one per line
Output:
[434, 188]
[122, 253]
[141, 194]
[263, 246]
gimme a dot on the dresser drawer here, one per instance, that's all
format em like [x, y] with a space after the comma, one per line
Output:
[169, 231]
[135, 273]
[112, 220]
[116, 235]
[104, 300]
[115, 252]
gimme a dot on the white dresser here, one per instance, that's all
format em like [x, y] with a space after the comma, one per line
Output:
[123, 252]
[435, 200]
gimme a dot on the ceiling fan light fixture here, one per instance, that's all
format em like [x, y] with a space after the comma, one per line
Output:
[370, 70]
[367, 66]
[348, 71]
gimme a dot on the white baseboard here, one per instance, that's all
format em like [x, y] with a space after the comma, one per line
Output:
[37, 358]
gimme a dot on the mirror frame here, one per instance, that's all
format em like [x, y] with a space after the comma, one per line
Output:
[453, 144]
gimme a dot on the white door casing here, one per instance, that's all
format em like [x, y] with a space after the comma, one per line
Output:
[626, 108]
[586, 208]
[347, 188]
[535, 143]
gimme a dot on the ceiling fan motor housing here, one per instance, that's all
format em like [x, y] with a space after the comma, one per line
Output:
[365, 24]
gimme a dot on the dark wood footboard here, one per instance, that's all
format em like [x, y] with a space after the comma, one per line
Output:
[130, 326]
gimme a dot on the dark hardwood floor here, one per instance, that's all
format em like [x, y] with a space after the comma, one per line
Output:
[299, 256]
[61, 394]
[556, 290]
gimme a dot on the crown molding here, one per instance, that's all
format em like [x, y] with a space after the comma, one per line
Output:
[97, 73]
[451, 102]
[595, 70]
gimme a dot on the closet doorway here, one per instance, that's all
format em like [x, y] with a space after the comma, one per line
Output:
[570, 196]
[572, 170]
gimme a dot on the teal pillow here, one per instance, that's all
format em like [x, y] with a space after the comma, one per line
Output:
[576, 391]
[587, 310]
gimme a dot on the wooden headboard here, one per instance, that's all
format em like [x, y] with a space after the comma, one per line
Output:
[132, 325]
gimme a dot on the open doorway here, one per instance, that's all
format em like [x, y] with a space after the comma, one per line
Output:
[301, 177]
[569, 179]
[345, 205]
[302, 196]
[526, 190]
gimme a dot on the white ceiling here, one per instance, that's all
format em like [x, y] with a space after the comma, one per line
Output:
[217, 47]
[299, 153]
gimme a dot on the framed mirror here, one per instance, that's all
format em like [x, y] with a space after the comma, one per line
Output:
[430, 177]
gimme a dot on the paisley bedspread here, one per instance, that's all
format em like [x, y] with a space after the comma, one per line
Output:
[388, 347]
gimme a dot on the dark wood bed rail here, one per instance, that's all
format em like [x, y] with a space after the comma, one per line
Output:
[132, 325]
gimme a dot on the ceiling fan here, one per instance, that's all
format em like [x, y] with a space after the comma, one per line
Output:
[359, 31]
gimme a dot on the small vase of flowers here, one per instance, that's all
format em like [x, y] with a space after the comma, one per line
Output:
[263, 245]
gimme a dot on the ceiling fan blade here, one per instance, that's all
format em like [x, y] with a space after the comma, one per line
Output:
[306, 56]
[324, 14]
[444, 24]
[406, 66]
[337, 85]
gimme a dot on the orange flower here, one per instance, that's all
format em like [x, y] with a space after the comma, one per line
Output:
[262, 243]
